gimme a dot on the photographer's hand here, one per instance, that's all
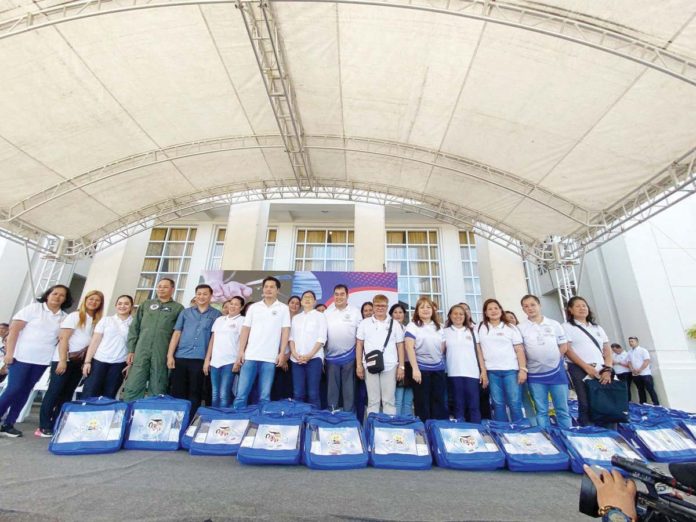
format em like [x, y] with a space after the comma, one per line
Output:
[614, 490]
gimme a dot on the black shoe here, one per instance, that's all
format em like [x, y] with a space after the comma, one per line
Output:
[8, 430]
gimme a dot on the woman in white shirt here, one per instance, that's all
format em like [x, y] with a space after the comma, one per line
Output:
[588, 351]
[105, 361]
[505, 365]
[307, 339]
[463, 362]
[66, 368]
[425, 347]
[222, 353]
[30, 344]
[621, 365]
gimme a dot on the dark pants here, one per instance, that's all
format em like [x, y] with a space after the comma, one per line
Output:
[20, 381]
[187, 382]
[645, 383]
[429, 395]
[577, 375]
[60, 390]
[282, 384]
[305, 381]
[627, 378]
[360, 399]
[104, 379]
[465, 391]
[484, 402]
[341, 384]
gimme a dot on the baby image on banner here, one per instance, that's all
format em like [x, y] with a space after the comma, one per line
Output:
[276, 437]
[156, 425]
[528, 444]
[221, 431]
[601, 448]
[337, 441]
[396, 440]
[458, 440]
[90, 426]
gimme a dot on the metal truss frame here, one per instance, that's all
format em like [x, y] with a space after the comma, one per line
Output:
[267, 43]
[572, 27]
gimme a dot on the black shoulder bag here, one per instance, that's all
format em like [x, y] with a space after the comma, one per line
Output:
[608, 402]
[374, 361]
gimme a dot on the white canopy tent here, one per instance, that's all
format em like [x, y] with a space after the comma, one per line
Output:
[525, 121]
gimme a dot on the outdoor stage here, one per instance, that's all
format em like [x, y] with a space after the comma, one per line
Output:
[142, 485]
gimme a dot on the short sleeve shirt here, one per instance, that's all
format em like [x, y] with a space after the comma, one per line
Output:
[38, 339]
[428, 341]
[266, 324]
[81, 336]
[373, 333]
[620, 358]
[226, 340]
[460, 353]
[308, 328]
[498, 346]
[541, 342]
[583, 346]
[195, 327]
[638, 356]
[113, 347]
[342, 326]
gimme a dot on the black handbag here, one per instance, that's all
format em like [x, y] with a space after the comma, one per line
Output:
[608, 402]
[374, 361]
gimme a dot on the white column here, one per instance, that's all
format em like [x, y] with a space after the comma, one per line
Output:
[284, 256]
[370, 237]
[502, 275]
[13, 277]
[451, 270]
[246, 236]
[199, 259]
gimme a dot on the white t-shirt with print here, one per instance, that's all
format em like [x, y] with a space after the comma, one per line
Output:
[37, 340]
[638, 356]
[113, 347]
[583, 346]
[266, 323]
[620, 358]
[226, 340]
[308, 329]
[427, 342]
[460, 353]
[341, 328]
[497, 345]
[541, 342]
[373, 333]
[80, 338]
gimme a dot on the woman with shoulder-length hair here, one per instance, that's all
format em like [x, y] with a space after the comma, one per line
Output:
[425, 346]
[66, 368]
[464, 360]
[589, 352]
[30, 345]
[105, 361]
[505, 365]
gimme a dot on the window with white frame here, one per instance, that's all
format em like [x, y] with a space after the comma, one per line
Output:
[269, 249]
[168, 255]
[215, 258]
[472, 282]
[324, 249]
[414, 255]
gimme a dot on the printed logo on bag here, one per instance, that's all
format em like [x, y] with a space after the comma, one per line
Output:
[155, 426]
[273, 437]
[93, 425]
[154, 306]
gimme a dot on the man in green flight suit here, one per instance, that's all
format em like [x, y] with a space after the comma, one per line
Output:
[148, 341]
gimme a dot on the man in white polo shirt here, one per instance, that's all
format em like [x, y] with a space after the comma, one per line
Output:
[262, 343]
[639, 362]
[342, 321]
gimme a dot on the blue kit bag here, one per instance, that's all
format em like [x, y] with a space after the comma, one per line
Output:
[220, 431]
[464, 445]
[334, 440]
[187, 437]
[594, 446]
[157, 423]
[287, 407]
[661, 441]
[530, 449]
[272, 438]
[397, 442]
[95, 425]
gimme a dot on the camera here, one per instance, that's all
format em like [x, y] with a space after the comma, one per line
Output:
[658, 503]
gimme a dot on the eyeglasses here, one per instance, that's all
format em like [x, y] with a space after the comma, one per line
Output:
[379, 306]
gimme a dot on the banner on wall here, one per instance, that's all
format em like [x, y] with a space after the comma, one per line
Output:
[363, 286]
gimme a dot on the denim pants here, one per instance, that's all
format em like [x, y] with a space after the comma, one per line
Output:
[465, 394]
[104, 379]
[404, 400]
[559, 396]
[20, 382]
[305, 381]
[505, 391]
[61, 389]
[247, 377]
[221, 383]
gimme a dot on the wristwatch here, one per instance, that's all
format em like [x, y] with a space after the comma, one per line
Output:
[614, 514]
[402, 367]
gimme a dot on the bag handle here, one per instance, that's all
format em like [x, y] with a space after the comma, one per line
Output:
[588, 334]
[386, 341]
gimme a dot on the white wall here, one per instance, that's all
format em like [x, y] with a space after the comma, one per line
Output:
[13, 261]
[502, 275]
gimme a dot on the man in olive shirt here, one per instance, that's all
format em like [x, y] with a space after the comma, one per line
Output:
[148, 341]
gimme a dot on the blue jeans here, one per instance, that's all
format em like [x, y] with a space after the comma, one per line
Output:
[20, 382]
[221, 385]
[404, 400]
[465, 393]
[527, 402]
[305, 381]
[247, 376]
[559, 395]
[505, 391]
[104, 379]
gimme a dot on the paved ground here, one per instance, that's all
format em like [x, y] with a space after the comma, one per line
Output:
[140, 485]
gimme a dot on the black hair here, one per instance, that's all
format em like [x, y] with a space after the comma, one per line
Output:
[271, 278]
[130, 298]
[316, 306]
[398, 305]
[171, 281]
[341, 285]
[5, 324]
[634, 337]
[246, 307]
[530, 296]
[207, 287]
[309, 292]
[616, 345]
[240, 299]
[294, 297]
[362, 308]
[571, 302]
[68, 296]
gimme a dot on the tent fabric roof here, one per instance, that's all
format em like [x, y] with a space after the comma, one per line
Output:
[109, 119]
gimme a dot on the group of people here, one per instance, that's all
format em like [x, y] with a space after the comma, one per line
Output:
[368, 360]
